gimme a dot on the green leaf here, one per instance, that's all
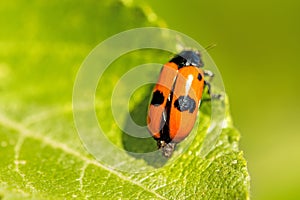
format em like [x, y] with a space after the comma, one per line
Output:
[42, 46]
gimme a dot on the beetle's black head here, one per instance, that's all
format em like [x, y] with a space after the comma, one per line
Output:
[188, 58]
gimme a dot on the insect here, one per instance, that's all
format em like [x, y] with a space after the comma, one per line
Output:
[175, 100]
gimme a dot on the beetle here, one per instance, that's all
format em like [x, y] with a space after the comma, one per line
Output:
[175, 100]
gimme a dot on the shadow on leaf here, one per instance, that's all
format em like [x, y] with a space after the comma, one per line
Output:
[142, 148]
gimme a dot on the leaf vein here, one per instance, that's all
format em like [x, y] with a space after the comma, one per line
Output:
[58, 145]
[19, 162]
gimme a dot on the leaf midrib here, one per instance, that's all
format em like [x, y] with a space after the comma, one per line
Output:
[26, 133]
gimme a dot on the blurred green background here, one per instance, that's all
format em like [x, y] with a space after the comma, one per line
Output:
[257, 52]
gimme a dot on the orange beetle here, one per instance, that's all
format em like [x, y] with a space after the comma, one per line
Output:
[175, 100]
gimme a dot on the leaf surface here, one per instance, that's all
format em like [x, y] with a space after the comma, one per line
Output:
[41, 49]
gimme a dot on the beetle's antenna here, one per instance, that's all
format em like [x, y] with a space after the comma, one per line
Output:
[211, 46]
[180, 46]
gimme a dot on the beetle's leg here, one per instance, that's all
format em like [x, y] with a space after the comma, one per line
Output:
[209, 74]
[212, 96]
[207, 84]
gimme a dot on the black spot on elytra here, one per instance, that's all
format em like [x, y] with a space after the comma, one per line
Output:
[199, 77]
[184, 103]
[157, 98]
